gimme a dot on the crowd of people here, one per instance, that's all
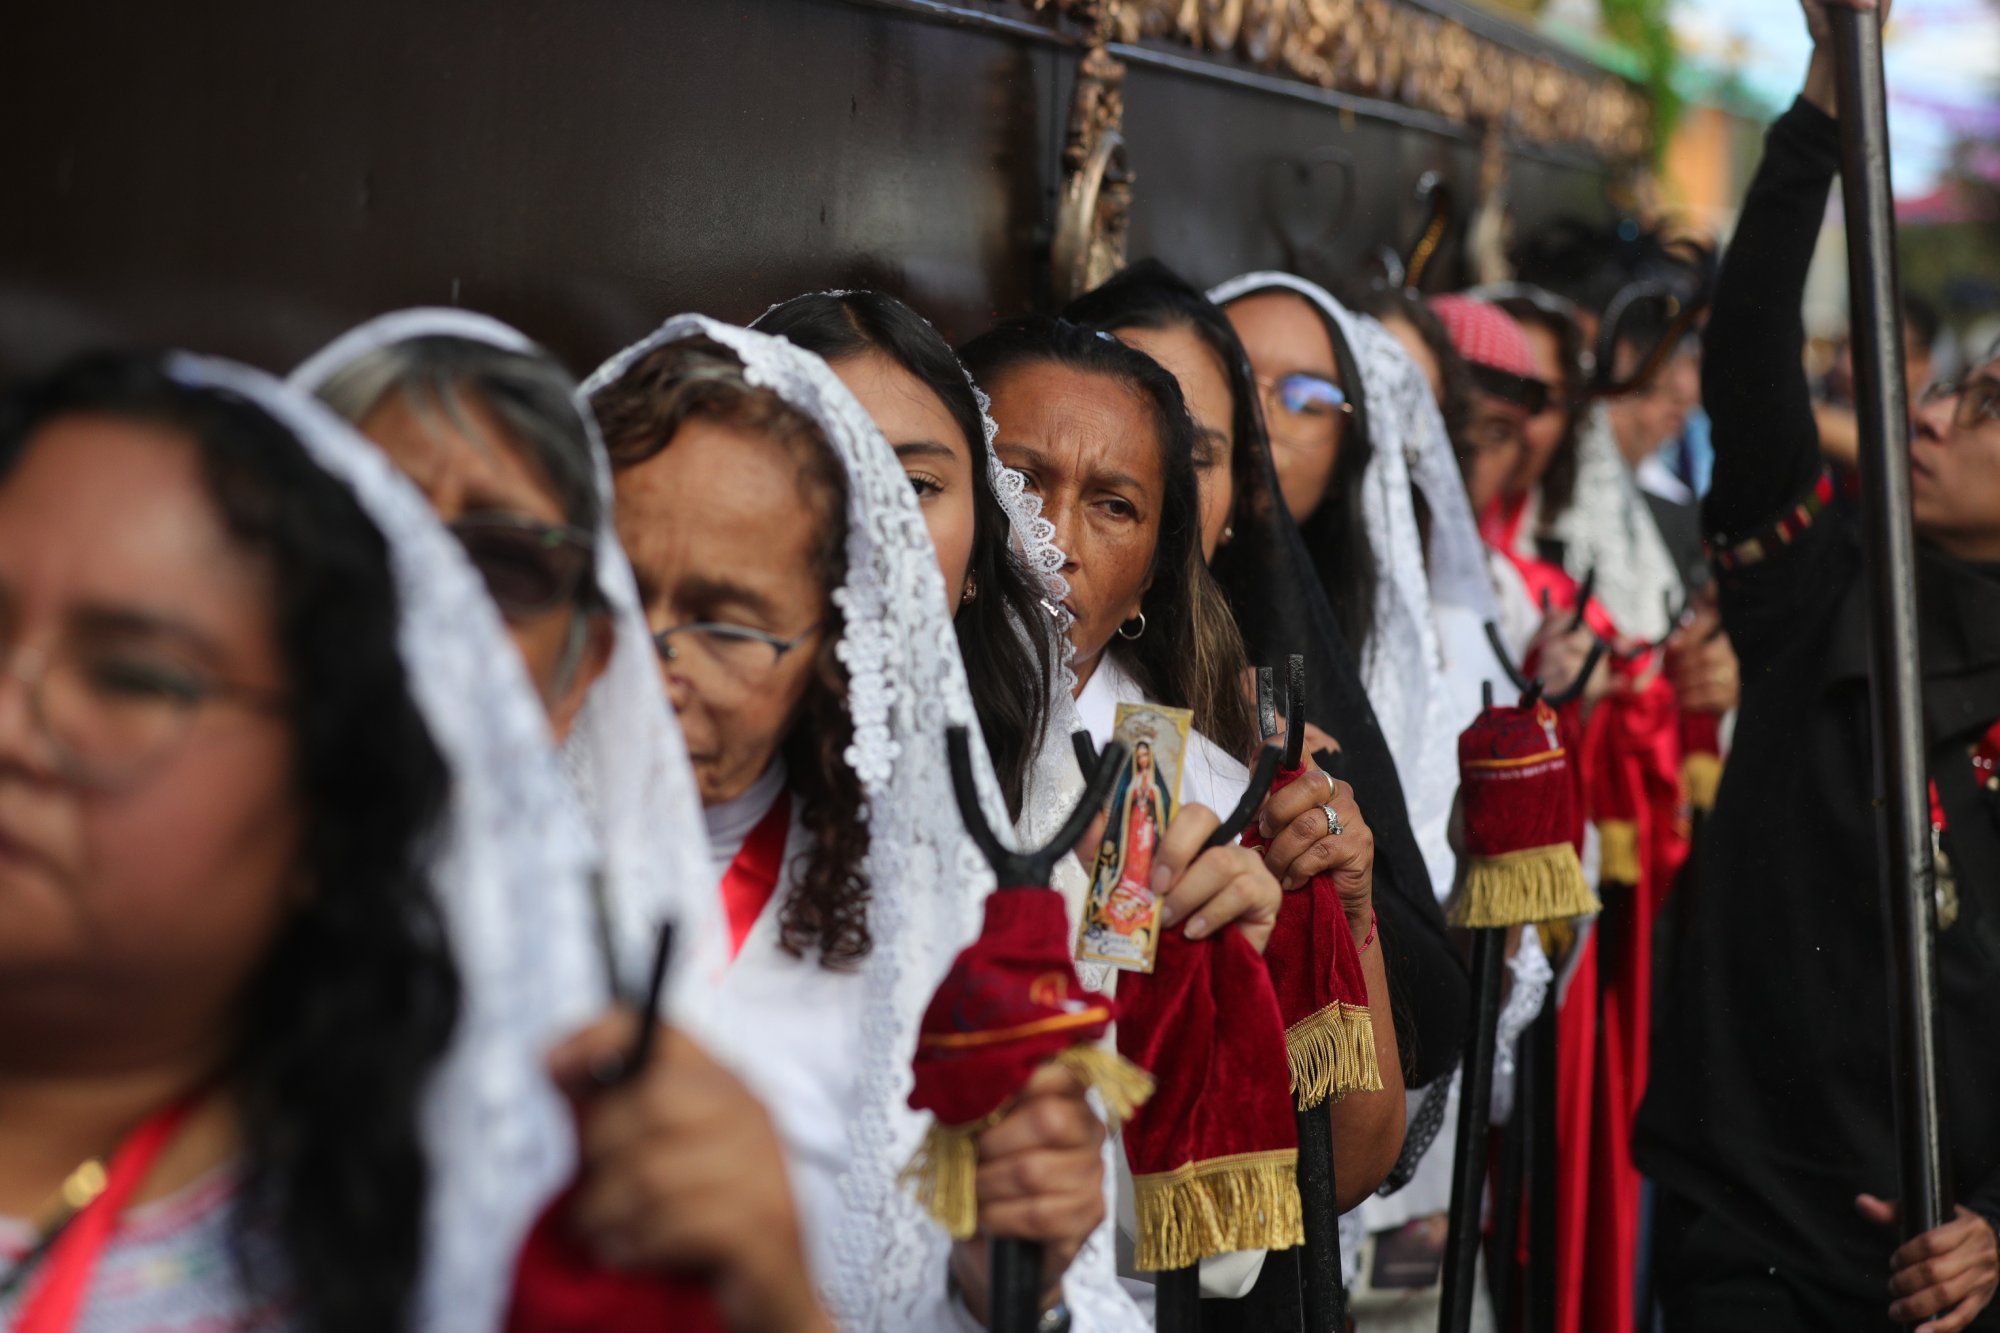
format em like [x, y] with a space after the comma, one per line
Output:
[478, 850]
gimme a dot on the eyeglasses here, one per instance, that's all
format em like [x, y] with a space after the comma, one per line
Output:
[1304, 394]
[530, 568]
[110, 713]
[734, 653]
[1978, 400]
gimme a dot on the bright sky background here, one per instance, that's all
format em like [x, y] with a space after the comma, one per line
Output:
[1943, 67]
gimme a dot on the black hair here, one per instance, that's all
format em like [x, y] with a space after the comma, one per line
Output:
[1282, 608]
[697, 378]
[1009, 665]
[350, 1012]
[1191, 655]
[1920, 320]
[1336, 533]
[1545, 310]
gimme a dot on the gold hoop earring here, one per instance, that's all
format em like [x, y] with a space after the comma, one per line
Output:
[971, 593]
[1141, 618]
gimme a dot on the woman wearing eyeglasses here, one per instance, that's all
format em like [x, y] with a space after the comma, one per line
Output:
[491, 430]
[1280, 608]
[803, 626]
[290, 887]
[1351, 409]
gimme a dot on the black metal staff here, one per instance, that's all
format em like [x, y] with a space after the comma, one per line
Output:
[1475, 1093]
[1177, 1291]
[1895, 681]
[1321, 1290]
[1014, 1282]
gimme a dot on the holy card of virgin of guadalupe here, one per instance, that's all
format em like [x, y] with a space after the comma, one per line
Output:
[1121, 917]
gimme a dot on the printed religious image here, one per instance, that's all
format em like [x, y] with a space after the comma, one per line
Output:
[1121, 916]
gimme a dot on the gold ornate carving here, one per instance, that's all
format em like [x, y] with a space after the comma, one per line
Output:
[1089, 243]
[1394, 52]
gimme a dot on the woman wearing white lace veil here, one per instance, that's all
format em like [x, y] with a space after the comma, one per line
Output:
[1002, 570]
[1401, 654]
[845, 937]
[620, 743]
[486, 1137]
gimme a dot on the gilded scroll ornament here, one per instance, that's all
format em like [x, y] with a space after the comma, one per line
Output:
[1393, 51]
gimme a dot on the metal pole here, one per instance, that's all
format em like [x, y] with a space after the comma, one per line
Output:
[1321, 1291]
[1895, 678]
[1015, 1285]
[1468, 1163]
[1177, 1300]
[1539, 1076]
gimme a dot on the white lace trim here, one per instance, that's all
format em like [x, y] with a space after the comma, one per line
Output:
[510, 874]
[906, 685]
[1402, 664]
[1609, 528]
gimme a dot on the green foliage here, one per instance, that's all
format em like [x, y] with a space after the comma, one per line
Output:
[1643, 27]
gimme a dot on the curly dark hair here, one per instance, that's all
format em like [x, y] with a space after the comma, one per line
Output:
[1010, 671]
[348, 1015]
[1336, 533]
[1192, 654]
[697, 378]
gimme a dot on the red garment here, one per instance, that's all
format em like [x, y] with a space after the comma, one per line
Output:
[1576, 1082]
[1214, 1154]
[1632, 740]
[559, 1288]
[753, 874]
[57, 1297]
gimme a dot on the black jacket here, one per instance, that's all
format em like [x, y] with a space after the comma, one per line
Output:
[1770, 1097]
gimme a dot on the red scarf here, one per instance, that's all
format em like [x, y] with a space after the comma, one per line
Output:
[753, 876]
[57, 1297]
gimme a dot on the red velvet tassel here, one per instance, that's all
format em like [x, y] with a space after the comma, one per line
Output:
[1322, 992]
[558, 1288]
[1011, 1003]
[1214, 1154]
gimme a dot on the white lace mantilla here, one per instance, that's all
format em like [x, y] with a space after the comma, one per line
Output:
[625, 755]
[906, 685]
[1402, 664]
[510, 874]
[1609, 528]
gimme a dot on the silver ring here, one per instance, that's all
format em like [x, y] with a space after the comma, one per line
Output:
[1334, 827]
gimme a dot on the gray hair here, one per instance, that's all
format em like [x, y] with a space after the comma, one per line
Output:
[533, 397]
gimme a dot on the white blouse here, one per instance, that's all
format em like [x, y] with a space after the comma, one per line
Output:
[801, 1026]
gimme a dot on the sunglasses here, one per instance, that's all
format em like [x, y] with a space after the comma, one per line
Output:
[1304, 394]
[529, 568]
[1531, 395]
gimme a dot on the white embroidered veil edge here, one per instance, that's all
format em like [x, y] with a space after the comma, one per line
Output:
[510, 874]
[1402, 664]
[625, 753]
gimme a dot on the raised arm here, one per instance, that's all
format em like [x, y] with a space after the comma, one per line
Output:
[1753, 379]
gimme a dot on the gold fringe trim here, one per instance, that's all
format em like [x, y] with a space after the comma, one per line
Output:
[1618, 852]
[1332, 1053]
[1521, 888]
[944, 1177]
[1558, 938]
[1246, 1202]
[1123, 1085]
[943, 1174]
[1701, 774]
